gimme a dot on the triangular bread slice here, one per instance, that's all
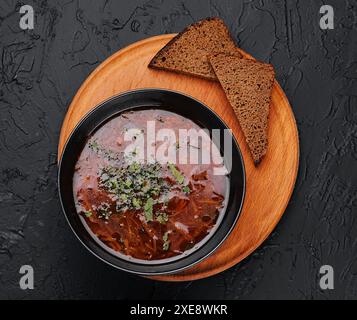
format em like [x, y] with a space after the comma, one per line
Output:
[188, 52]
[248, 86]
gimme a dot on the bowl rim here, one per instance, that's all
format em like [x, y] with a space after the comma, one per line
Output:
[98, 124]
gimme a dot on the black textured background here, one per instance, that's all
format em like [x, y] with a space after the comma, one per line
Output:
[41, 70]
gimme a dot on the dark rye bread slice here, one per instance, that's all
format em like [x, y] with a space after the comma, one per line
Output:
[188, 52]
[248, 86]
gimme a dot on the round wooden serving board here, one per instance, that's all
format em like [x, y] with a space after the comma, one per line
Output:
[268, 187]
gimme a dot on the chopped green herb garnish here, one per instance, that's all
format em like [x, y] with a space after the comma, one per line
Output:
[132, 186]
[136, 203]
[123, 197]
[109, 154]
[148, 209]
[134, 167]
[165, 237]
[186, 189]
[128, 182]
[93, 145]
[162, 218]
[177, 174]
[88, 213]
[166, 244]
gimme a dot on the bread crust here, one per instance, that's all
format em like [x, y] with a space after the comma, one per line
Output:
[162, 52]
[238, 77]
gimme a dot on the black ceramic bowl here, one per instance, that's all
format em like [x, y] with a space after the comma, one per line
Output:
[149, 99]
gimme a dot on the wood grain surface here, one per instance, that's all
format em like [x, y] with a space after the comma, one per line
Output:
[268, 187]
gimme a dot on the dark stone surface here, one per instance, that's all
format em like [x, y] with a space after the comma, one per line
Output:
[41, 70]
